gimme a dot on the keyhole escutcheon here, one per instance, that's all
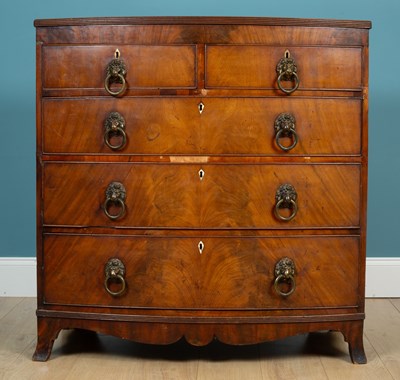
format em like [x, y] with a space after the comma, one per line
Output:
[201, 107]
[200, 246]
[201, 174]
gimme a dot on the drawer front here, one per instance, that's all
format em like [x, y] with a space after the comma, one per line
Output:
[247, 126]
[254, 66]
[84, 67]
[156, 195]
[226, 126]
[224, 196]
[151, 126]
[234, 273]
[244, 196]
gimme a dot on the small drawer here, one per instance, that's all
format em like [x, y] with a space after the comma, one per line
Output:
[270, 126]
[147, 66]
[254, 66]
[281, 196]
[234, 273]
[151, 195]
[202, 196]
[141, 126]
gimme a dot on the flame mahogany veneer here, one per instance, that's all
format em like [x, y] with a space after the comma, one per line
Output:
[211, 184]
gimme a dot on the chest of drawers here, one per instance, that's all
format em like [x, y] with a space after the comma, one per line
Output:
[201, 178]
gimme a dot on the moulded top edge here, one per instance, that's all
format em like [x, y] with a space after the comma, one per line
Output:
[200, 20]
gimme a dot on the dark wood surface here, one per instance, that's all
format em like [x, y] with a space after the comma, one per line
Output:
[155, 66]
[160, 20]
[319, 67]
[229, 196]
[171, 125]
[170, 273]
[148, 66]
[225, 291]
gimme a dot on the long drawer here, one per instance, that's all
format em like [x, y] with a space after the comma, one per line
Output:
[201, 196]
[228, 273]
[322, 126]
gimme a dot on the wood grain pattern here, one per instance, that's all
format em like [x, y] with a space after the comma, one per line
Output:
[174, 290]
[157, 195]
[229, 196]
[169, 125]
[167, 30]
[170, 273]
[324, 126]
[153, 125]
[147, 66]
[329, 68]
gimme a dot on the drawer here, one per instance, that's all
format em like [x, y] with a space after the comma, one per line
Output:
[226, 126]
[223, 196]
[234, 273]
[84, 67]
[156, 195]
[150, 126]
[254, 66]
[322, 126]
[244, 196]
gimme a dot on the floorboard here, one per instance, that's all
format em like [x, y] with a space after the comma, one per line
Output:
[85, 355]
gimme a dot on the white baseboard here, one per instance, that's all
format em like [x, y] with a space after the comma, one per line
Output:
[18, 277]
[383, 277]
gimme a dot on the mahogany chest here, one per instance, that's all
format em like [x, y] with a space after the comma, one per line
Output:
[201, 177]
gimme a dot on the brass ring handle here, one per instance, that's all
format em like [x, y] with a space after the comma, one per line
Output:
[291, 216]
[121, 280]
[114, 270]
[109, 132]
[289, 278]
[286, 197]
[288, 90]
[121, 79]
[115, 193]
[285, 270]
[287, 71]
[121, 212]
[290, 131]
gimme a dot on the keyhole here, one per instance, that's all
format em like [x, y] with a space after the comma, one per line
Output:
[287, 54]
[200, 246]
[117, 54]
[201, 174]
[201, 107]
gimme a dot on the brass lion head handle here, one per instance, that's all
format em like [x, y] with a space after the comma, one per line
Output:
[285, 271]
[286, 197]
[114, 271]
[115, 194]
[115, 73]
[287, 71]
[114, 125]
[285, 126]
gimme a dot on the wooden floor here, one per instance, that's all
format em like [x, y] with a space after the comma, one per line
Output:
[80, 355]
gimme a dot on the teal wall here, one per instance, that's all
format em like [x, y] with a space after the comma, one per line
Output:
[17, 99]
